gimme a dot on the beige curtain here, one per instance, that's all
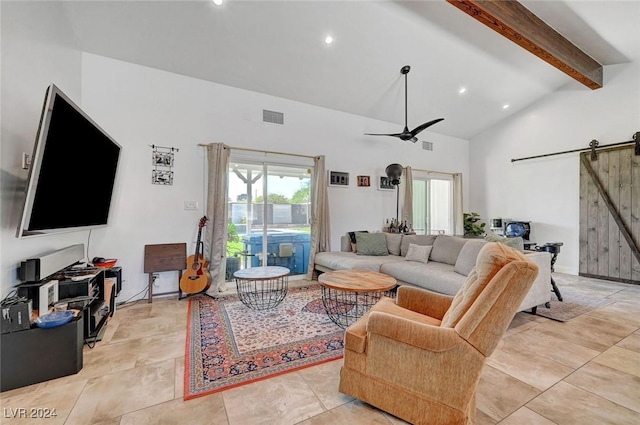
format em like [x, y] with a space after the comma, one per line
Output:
[458, 223]
[320, 226]
[215, 241]
[407, 204]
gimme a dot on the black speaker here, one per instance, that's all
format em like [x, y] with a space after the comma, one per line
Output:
[117, 273]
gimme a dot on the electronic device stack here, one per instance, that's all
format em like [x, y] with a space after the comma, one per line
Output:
[36, 348]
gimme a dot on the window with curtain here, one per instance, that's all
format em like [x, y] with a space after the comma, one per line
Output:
[433, 203]
[269, 203]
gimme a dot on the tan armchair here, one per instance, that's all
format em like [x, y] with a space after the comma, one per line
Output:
[420, 357]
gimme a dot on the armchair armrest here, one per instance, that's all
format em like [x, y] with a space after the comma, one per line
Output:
[420, 335]
[423, 301]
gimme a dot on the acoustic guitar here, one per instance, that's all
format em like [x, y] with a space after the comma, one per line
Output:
[197, 278]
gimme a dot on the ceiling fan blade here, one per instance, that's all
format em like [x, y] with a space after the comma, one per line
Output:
[419, 128]
[378, 134]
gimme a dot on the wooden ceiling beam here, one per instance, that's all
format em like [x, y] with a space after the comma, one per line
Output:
[515, 22]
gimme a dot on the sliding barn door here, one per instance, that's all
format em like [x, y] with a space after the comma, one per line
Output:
[610, 215]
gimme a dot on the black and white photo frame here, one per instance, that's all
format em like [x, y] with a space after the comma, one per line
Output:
[162, 177]
[162, 159]
[338, 179]
[384, 183]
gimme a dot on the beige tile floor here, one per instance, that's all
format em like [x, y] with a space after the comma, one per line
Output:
[585, 371]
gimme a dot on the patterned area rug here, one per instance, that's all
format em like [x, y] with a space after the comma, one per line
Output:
[573, 305]
[229, 344]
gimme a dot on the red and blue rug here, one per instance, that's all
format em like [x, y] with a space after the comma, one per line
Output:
[229, 344]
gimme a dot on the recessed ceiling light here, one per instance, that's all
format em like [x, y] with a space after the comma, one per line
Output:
[505, 106]
[328, 39]
[462, 90]
[217, 2]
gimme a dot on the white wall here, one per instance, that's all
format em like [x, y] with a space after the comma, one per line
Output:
[36, 50]
[140, 106]
[546, 190]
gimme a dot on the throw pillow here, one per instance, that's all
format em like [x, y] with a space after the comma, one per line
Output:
[352, 238]
[415, 239]
[468, 254]
[418, 253]
[517, 243]
[371, 244]
[394, 240]
[352, 235]
[446, 249]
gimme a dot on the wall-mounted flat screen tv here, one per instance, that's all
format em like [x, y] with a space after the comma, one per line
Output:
[73, 171]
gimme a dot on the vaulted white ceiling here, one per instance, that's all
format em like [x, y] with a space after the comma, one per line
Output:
[277, 48]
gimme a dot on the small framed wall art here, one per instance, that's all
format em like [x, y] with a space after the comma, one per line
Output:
[364, 181]
[163, 177]
[338, 179]
[162, 160]
[385, 183]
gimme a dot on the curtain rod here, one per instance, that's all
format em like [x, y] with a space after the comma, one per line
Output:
[593, 145]
[432, 171]
[261, 151]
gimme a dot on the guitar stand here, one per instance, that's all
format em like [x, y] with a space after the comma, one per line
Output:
[181, 296]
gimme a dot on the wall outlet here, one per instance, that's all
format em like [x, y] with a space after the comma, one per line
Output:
[156, 278]
[26, 161]
[190, 205]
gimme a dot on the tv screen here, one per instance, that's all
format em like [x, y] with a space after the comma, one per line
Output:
[72, 173]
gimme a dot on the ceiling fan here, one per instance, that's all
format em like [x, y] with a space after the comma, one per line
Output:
[406, 134]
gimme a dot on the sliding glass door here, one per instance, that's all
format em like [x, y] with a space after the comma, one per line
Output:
[432, 204]
[269, 221]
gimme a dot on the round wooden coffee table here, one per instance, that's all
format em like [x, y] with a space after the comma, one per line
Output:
[348, 294]
[262, 288]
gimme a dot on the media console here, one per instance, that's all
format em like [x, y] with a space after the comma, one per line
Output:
[37, 355]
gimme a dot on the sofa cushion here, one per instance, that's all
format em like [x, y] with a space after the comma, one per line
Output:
[394, 240]
[436, 277]
[415, 239]
[446, 249]
[418, 253]
[350, 260]
[467, 257]
[371, 244]
[517, 243]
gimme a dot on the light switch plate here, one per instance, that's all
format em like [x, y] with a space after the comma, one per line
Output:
[190, 205]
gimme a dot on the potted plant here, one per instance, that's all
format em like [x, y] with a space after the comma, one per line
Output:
[234, 248]
[471, 226]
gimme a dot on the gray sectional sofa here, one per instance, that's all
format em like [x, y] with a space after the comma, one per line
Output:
[449, 262]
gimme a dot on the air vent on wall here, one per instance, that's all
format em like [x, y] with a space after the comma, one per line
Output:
[272, 117]
[427, 146]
